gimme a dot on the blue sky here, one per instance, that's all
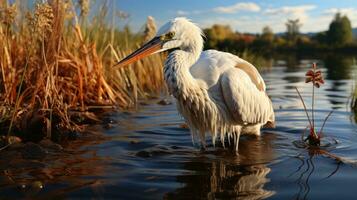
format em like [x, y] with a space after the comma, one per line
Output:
[243, 16]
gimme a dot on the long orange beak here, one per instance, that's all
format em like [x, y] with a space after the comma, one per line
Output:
[147, 49]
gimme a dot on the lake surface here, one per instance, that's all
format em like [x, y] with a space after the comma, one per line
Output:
[149, 154]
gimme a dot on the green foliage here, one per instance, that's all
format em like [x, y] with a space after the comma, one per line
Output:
[267, 34]
[340, 31]
[321, 37]
[218, 33]
[265, 40]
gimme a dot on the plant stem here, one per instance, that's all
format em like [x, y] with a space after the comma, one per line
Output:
[323, 125]
[17, 98]
[303, 103]
[313, 101]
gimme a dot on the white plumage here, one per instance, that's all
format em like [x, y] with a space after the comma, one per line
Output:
[216, 92]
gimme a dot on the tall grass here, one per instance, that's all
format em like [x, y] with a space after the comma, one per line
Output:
[54, 64]
[354, 100]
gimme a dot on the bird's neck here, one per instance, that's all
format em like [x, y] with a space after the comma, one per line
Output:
[177, 71]
[191, 53]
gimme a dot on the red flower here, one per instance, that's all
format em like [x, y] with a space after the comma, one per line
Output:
[314, 76]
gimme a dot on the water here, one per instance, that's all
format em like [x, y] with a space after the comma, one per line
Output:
[148, 154]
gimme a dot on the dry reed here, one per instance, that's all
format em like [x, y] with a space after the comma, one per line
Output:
[150, 29]
[53, 68]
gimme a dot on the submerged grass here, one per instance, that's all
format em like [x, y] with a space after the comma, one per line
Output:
[55, 67]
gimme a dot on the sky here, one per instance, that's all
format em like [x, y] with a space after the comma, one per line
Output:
[243, 16]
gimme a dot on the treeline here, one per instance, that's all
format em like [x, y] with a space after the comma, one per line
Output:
[339, 37]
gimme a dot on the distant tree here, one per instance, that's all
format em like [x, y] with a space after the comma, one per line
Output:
[267, 34]
[304, 42]
[221, 32]
[340, 31]
[279, 41]
[321, 37]
[292, 29]
[217, 33]
[265, 40]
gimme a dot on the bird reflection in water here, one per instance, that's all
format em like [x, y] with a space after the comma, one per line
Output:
[229, 176]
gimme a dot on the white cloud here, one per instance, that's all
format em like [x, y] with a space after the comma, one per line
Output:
[292, 12]
[243, 6]
[316, 24]
[290, 9]
[182, 12]
[351, 13]
[332, 11]
[273, 17]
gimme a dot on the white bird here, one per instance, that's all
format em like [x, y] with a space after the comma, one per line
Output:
[216, 92]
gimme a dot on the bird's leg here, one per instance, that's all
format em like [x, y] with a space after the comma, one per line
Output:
[203, 141]
[237, 136]
[203, 148]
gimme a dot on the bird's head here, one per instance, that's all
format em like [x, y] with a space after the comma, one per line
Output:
[177, 33]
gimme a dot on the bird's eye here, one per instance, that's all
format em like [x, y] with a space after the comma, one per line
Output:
[170, 35]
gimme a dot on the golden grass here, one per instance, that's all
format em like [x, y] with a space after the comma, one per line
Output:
[54, 64]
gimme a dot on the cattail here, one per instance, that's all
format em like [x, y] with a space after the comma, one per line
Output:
[150, 29]
[7, 15]
[42, 21]
[84, 6]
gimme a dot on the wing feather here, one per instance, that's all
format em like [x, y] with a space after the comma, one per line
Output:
[212, 63]
[245, 102]
[242, 87]
[252, 72]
